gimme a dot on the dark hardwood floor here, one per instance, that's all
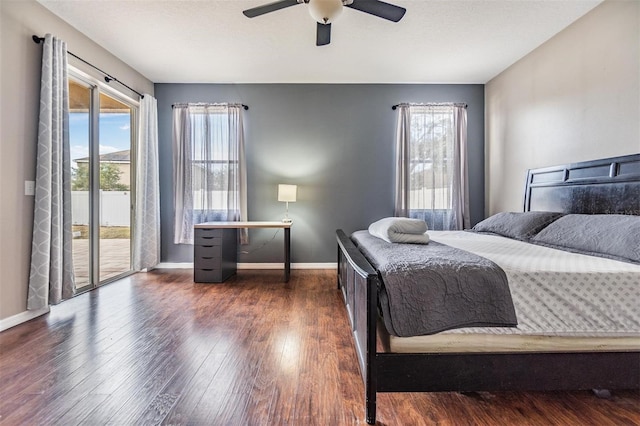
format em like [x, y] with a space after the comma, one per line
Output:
[158, 349]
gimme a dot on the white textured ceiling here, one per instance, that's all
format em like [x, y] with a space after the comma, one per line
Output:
[437, 41]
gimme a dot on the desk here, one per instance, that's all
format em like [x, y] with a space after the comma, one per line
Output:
[215, 249]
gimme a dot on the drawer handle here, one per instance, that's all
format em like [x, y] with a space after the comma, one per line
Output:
[205, 257]
[207, 270]
[207, 238]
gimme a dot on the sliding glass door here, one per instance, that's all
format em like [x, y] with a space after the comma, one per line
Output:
[115, 123]
[79, 141]
[101, 131]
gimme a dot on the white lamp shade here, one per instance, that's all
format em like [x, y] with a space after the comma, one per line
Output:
[287, 192]
[325, 11]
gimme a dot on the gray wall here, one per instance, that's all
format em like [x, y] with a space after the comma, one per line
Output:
[574, 98]
[336, 142]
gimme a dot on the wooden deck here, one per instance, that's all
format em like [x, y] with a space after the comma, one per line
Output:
[115, 259]
[156, 348]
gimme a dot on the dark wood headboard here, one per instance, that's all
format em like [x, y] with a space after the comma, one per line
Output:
[606, 186]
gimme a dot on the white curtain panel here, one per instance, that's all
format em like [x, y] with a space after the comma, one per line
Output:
[51, 278]
[460, 186]
[237, 192]
[209, 167]
[146, 239]
[403, 141]
[182, 193]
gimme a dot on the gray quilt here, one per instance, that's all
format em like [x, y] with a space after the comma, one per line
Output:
[431, 288]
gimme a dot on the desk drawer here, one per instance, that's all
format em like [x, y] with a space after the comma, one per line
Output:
[206, 240]
[207, 252]
[207, 263]
[207, 275]
[209, 232]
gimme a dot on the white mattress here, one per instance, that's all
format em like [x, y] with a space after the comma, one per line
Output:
[563, 301]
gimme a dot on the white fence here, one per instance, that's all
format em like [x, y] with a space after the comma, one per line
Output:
[428, 198]
[115, 208]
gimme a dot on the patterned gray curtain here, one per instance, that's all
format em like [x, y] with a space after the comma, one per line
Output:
[51, 277]
[146, 240]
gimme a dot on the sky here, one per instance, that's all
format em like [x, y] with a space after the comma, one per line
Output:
[115, 133]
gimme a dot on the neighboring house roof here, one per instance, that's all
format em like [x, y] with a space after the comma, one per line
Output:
[111, 157]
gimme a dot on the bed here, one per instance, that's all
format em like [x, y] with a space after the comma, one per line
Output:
[389, 363]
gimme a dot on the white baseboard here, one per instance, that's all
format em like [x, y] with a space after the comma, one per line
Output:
[17, 319]
[327, 265]
[169, 265]
[188, 265]
[293, 265]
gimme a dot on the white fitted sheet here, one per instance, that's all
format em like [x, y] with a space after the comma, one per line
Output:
[563, 301]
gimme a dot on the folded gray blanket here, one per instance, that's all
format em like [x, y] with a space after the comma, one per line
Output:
[400, 230]
[431, 288]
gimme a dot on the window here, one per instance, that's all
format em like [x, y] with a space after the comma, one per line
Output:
[431, 150]
[430, 154]
[208, 165]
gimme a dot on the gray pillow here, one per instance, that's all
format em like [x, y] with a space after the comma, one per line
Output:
[520, 226]
[614, 236]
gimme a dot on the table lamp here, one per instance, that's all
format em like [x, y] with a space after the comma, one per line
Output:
[287, 193]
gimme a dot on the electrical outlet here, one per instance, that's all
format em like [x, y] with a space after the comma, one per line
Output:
[29, 187]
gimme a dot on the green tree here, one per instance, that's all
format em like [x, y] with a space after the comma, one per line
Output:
[80, 178]
[109, 178]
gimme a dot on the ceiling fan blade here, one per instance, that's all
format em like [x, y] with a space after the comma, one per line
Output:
[379, 8]
[270, 7]
[323, 34]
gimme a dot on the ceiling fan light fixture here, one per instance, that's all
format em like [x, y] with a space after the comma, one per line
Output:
[325, 11]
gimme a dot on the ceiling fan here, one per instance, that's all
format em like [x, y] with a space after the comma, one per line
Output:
[326, 11]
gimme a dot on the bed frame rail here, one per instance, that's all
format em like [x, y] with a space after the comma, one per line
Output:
[537, 371]
[359, 283]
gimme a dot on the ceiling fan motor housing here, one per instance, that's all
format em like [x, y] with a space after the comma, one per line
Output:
[325, 11]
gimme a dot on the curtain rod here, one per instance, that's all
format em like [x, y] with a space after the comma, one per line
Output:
[246, 108]
[108, 78]
[432, 104]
